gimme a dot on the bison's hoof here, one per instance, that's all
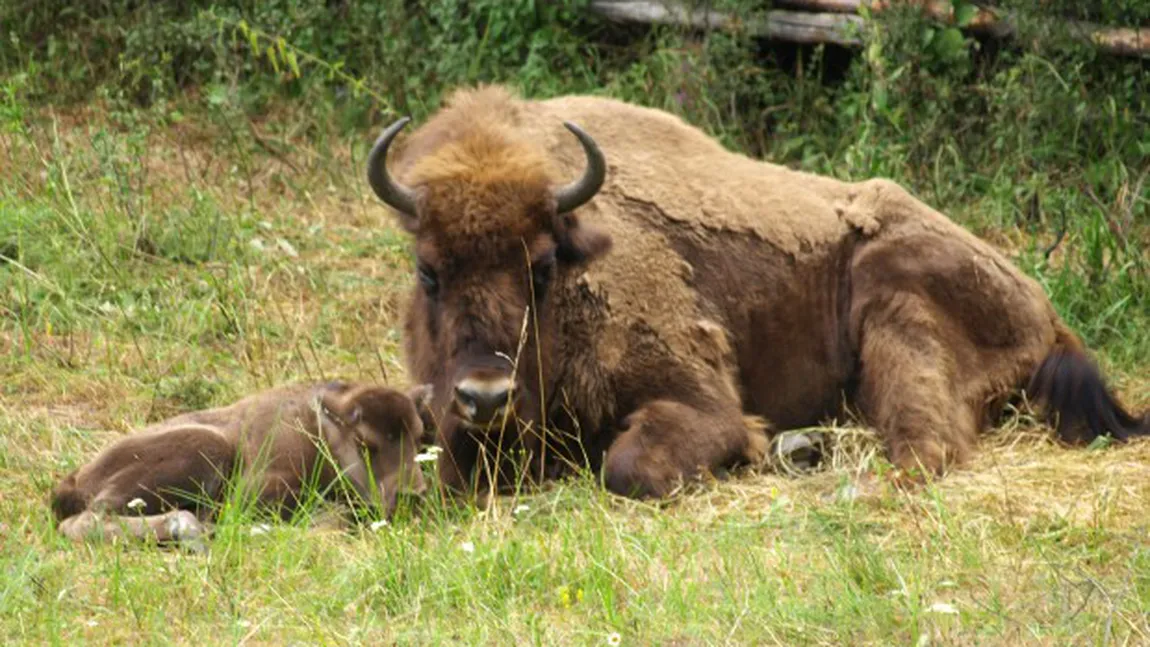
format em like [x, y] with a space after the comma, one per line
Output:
[800, 452]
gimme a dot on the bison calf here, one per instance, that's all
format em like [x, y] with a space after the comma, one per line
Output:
[150, 483]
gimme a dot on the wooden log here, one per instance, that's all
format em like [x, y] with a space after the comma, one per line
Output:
[793, 26]
[1124, 41]
[839, 23]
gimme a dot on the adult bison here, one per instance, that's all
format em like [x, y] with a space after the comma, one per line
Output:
[676, 294]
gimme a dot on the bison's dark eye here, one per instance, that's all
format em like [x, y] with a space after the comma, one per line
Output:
[541, 271]
[428, 278]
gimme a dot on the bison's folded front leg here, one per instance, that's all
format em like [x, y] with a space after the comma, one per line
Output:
[665, 442]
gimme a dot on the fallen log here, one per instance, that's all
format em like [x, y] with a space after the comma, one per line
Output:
[793, 26]
[983, 20]
[838, 22]
[1124, 41]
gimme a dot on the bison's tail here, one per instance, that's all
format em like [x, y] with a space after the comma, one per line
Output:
[67, 500]
[1072, 386]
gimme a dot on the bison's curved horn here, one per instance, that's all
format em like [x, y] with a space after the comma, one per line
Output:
[394, 194]
[570, 197]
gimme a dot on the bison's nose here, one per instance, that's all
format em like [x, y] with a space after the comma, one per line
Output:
[479, 401]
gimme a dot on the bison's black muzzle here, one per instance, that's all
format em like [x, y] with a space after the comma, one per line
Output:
[483, 397]
[480, 402]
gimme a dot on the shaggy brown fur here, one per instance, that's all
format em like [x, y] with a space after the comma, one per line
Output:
[275, 441]
[699, 285]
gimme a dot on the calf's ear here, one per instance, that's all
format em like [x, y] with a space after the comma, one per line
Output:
[421, 396]
[578, 242]
[342, 410]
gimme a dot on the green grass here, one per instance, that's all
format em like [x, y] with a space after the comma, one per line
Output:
[100, 337]
[175, 243]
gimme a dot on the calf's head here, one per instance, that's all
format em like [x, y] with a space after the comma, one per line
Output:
[375, 438]
[495, 235]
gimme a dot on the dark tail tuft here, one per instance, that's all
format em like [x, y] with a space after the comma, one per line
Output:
[1070, 384]
[67, 500]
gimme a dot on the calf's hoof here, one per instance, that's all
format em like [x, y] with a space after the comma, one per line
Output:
[187, 532]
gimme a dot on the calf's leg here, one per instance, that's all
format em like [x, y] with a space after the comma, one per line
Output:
[172, 526]
[665, 442]
[131, 490]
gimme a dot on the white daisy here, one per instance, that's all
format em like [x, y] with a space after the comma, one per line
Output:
[942, 607]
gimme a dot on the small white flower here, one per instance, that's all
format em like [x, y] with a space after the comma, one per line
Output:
[614, 639]
[286, 247]
[92, 623]
[849, 492]
[519, 509]
[260, 529]
[431, 454]
[467, 547]
[244, 623]
[376, 525]
[136, 503]
[942, 607]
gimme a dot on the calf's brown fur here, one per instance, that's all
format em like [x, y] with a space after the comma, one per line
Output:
[676, 298]
[275, 441]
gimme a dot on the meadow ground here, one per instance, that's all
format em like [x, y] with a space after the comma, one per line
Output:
[157, 268]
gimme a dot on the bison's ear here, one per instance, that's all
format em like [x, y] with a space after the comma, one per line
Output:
[578, 242]
[341, 410]
[410, 224]
[410, 221]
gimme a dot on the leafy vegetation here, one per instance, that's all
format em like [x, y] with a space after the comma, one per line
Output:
[183, 220]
